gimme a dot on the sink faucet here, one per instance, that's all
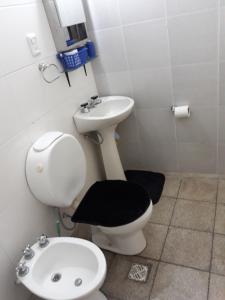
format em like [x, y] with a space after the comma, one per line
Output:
[22, 270]
[28, 252]
[43, 241]
[94, 101]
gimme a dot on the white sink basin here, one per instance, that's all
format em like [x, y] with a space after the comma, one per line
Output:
[111, 111]
[75, 260]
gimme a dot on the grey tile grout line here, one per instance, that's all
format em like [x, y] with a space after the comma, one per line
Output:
[187, 228]
[221, 234]
[181, 265]
[220, 203]
[108, 251]
[218, 274]
[184, 266]
[198, 201]
[213, 234]
[171, 219]
[156, 271]
[170, 197]
[193, 200]
[113, 259]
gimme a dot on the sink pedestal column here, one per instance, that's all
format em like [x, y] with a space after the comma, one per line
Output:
[110, 155]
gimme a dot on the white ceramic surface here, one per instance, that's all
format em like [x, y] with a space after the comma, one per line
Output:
[73, 258]
[127, 239]
[56, 169]
[111, 111]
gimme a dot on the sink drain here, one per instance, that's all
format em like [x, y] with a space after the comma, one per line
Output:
[78, 282]
[56, 277]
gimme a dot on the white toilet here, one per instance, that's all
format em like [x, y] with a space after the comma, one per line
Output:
[56, 172]
[126, 239]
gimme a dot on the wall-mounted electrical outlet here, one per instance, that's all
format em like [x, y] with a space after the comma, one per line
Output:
[33, 44]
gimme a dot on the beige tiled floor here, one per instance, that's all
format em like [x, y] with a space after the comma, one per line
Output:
[188, 248]
[218, 260]
[185, 245]
[202, 189]
[156, 234]
[221, 191]
[217, 287]
[117, 284]
[163, 211]
[220, 219]
[194, 215]
[177, 283]
[171, 187]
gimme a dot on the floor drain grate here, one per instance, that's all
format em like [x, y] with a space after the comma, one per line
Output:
[139, 272]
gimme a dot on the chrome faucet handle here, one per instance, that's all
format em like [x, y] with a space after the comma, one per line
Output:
[28, 252]
[84, 107]
[96, 100]
[94, 97]
[21, 269]
[91, 103]
[43, 240]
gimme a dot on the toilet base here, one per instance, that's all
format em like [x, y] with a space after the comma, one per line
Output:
[94, 296]
[126, 244]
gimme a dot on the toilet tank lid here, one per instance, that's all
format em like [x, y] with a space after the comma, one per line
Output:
[46, 140]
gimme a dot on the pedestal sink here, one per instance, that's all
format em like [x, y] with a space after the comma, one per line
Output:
[104, 118]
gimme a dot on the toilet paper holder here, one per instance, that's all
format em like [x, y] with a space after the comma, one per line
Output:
[173, 108]
[182, 111]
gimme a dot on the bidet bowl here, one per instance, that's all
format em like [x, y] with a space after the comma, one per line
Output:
[111, 111]
[66, 269]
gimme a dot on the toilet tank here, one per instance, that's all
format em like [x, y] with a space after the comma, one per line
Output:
[56, 169]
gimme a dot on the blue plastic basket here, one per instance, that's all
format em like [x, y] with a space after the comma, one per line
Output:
[73, 61]
[91, 50]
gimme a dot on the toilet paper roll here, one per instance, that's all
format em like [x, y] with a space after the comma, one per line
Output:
[181, 111]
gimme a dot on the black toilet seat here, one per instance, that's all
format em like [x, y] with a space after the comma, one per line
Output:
[112, 203]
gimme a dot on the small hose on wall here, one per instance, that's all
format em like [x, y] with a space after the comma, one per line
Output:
[63, 216]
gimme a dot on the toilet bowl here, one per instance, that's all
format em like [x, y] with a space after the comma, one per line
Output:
[128, 239]
[117, 210]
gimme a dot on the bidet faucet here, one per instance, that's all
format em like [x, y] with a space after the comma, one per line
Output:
[84, 108]
[21, 269]
[28, 252]
[43, 241]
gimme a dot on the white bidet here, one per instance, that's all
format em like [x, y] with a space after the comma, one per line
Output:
[65, 269]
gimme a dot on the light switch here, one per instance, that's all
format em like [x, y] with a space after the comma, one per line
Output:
[33, 44]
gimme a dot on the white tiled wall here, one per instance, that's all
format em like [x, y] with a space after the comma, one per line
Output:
[165, 52]
[28, 108]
